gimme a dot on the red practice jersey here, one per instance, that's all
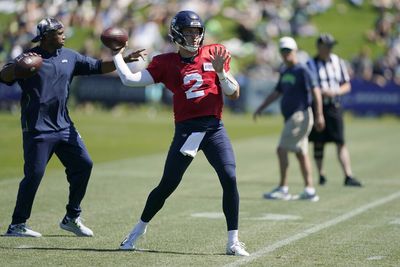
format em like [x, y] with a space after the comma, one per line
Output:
[195, 85]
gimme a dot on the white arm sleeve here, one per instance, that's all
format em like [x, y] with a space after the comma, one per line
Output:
[228, 83]
[137, 79]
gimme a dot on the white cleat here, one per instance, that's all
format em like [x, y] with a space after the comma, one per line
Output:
[237, 249]
[21, 230]
[278, 194]
[305, 196]
[129, 243]
[75, 226]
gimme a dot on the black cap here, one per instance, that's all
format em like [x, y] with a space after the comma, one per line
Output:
[46, 25]
[327, 39]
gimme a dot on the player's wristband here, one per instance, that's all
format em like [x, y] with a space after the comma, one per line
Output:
[228, 87]
[221, 75]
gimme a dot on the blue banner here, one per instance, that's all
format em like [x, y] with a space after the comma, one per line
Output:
[368, 98]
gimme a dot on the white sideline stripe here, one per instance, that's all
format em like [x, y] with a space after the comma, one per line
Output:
[265, 250]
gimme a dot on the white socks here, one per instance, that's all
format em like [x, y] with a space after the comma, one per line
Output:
[310, 190]
[233, 236]
[284, 189]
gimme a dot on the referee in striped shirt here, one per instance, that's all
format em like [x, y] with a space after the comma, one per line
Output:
[333, 79]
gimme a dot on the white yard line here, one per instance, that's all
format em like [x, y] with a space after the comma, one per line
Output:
[265, 250]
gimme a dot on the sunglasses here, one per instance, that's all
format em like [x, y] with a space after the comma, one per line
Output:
[285, 50]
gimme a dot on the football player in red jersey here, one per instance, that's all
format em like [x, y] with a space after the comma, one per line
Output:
[198, 76]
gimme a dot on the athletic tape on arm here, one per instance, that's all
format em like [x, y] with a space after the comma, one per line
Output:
[228, 84]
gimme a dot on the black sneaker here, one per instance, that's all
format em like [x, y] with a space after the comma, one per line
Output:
[350, 181]
[322, 180]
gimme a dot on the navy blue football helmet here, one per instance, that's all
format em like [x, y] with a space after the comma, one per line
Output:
[185, 19]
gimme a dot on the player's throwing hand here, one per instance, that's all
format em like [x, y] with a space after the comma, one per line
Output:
[135, 55]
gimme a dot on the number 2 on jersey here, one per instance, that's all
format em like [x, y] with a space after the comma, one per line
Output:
[192, 92]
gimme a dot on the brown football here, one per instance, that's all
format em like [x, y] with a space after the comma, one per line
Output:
[27, 66]
[114, 38]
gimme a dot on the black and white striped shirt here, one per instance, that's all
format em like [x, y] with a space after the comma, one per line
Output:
[331, 74]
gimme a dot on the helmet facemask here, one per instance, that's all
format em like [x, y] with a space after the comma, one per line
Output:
[186, 44]
[184, 20]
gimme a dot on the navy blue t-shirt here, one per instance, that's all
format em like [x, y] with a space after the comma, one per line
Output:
[45, 95]
[295, 85]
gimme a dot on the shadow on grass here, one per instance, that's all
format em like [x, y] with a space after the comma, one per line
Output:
[25, 247]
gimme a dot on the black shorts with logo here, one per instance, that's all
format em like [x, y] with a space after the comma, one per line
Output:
[334, 127]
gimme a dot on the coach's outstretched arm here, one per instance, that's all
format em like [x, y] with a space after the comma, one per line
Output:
[137, 79]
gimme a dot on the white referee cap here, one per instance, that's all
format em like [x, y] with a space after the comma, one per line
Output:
[288, 43]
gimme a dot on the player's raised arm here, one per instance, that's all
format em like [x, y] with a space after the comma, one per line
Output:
[229, 85]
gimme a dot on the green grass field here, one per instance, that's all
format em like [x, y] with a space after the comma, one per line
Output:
[347, 227]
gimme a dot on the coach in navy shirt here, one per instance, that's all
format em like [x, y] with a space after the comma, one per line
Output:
[297, 88]
[47, 127]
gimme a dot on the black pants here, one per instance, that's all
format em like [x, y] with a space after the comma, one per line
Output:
[333, 132]
[218, 151]
[38, 149]
[334, 126]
